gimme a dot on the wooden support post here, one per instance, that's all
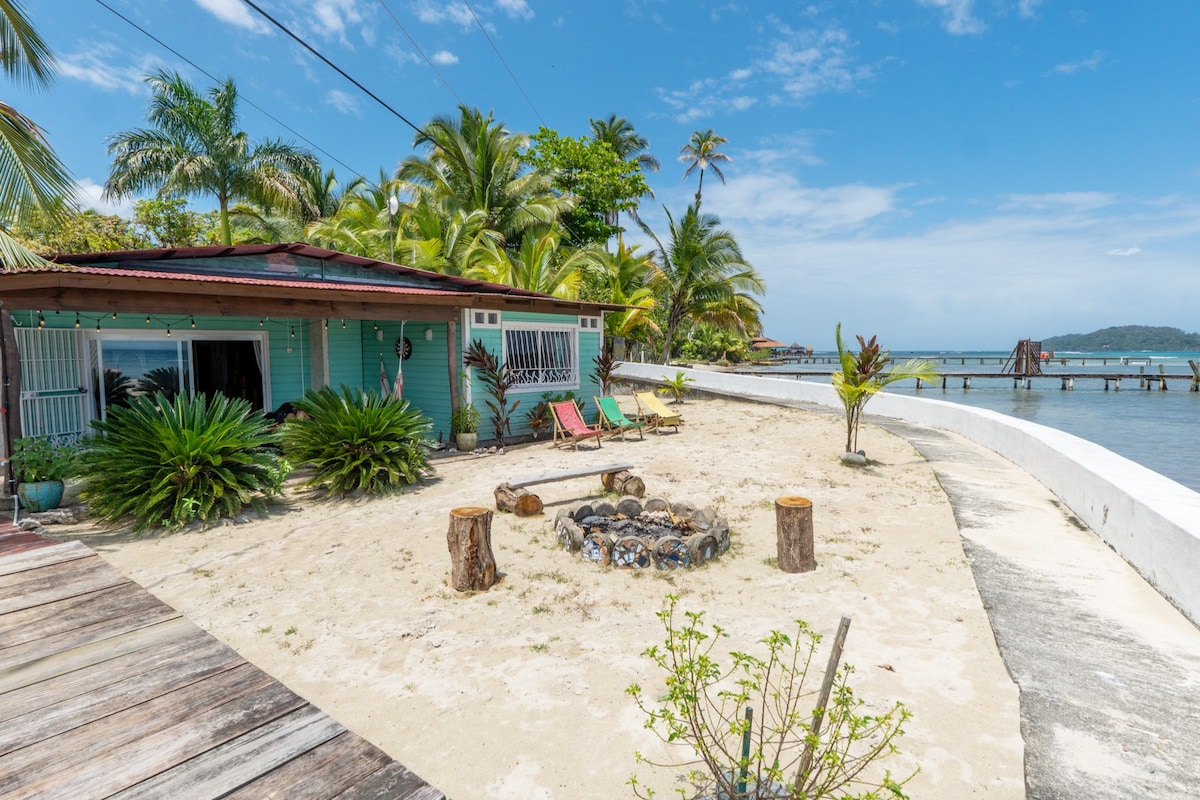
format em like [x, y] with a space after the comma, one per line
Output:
[472, 565]
[794, 534]
[452, 362]
[831, 668]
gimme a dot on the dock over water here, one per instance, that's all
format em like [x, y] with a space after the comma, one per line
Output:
[105, 691]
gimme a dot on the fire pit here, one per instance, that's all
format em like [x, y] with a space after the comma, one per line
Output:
[631, 535]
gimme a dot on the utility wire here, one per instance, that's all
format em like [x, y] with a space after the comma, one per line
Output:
[338, 69]
[449, 88]
[502, 61]
[248, 102]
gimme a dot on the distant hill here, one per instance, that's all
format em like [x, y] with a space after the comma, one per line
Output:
[1125, 338]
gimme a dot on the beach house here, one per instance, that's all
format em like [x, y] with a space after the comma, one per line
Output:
[266, 323]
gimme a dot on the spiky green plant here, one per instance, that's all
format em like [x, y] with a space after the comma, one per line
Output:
[357, 441]
[162, 462]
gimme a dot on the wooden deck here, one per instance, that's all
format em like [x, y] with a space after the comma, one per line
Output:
[107, 692]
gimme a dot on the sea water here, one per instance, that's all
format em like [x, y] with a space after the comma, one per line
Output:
[1154, 428]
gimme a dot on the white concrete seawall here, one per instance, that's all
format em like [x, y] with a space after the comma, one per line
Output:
[1151, 521]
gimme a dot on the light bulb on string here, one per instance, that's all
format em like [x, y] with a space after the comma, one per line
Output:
[168, 331]
[193, 322]
[147, 319]
[114, 315]
[260, 323]
[97, 325]
[76, 319]
[326, 324]
[343, 323]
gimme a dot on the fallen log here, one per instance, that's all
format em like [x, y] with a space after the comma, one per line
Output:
[624, 483]
[521, 502]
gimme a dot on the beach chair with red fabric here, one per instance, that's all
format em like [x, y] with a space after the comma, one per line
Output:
[569, 427]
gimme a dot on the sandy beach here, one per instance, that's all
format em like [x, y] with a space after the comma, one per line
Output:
[519, 692]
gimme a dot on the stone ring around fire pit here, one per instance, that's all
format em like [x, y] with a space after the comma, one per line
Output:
[631, 535]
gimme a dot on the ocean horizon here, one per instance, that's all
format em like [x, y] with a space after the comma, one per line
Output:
[1149, 426]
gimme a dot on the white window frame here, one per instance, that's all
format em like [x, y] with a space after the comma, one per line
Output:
[539, 383]
[475, 313]
[589, 323]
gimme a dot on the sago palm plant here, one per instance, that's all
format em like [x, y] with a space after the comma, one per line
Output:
[357, 441]
[162, 462]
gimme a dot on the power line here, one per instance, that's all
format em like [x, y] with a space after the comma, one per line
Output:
[248, 102]
[336, 68]
[502, 61]
[449, 88]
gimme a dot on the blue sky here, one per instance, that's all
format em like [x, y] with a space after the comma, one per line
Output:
[944, 173]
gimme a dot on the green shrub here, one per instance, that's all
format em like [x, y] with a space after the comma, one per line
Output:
[780, 752]
[35, 460]
[167, 462]
[357, 441]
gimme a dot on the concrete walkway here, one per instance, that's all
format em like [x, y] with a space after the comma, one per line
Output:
[1109, 672]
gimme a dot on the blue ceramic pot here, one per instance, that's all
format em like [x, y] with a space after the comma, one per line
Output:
[40, 495]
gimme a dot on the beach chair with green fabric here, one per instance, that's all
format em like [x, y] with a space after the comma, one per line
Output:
[569, 427]
[613, 420]
[656, 413]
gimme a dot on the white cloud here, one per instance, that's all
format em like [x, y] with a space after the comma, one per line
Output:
[88, 193]
[797, 64]
[235, 12]
[435, 13]
[958, 17]
[92, 66]
[444, 57]
[332, 17]
[1070, 201]
[1028, 8]
[343, 102]
[515, 8]
[780, 197]
[1124, 251]
[1089, 64]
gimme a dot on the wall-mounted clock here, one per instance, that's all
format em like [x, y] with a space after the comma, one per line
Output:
[403, 348]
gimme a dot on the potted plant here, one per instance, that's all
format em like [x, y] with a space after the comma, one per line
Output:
[464, 424]
[39, 468]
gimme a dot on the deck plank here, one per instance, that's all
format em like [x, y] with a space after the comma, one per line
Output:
[240, 761]
[46, 584]
[322, 772]
[52, 553]
[69, 613]
[105, 690]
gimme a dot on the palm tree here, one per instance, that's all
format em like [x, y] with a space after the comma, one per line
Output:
[701, 153]
[628, 145]
[474, 164]
[865, 374]
[704, 277]
[540, 264]
[32, 179]
[194, 148]
[626, 278]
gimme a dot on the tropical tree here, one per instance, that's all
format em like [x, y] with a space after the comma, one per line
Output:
[865, 374]
[540, 264]
[628, 145]
[474, 163]
[61, 229]
[588, 170]
[700, 153]
[627, 278]
[194, 149]
[704, 277]
[32, 179]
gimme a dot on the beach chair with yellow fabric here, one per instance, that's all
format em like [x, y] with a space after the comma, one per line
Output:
[656, 413]
[613, 420]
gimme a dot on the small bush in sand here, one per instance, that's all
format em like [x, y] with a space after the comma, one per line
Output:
[166, 463]
[763, 757]
[357, 441]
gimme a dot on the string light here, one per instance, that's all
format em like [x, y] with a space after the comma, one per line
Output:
[97, 324]
[76, 319]
[291, 332]
[41, 320]
[147, 319]
[326, 324]
[260, 323]
[168, 331]
[114, 315]
[343, 323]
[193, 322]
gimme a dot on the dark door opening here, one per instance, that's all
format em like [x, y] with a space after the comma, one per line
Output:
[230, 368]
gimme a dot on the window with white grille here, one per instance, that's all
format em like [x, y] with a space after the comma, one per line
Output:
[542, 356]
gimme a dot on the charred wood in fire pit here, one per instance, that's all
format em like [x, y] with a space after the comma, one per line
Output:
[656, 504]
[629, 506]
[603, 508]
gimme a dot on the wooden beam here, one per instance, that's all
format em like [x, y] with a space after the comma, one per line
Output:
[10, 394]
[452, 362]
[221, 305]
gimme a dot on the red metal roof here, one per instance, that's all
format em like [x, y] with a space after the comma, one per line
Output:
[453, 283]
[243, 280]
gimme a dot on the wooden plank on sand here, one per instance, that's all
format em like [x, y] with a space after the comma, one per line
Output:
[43, 556]
[324, 771]
[56, 581]
[395, 782]
[567, 474]
[70, 613]
[79, 637]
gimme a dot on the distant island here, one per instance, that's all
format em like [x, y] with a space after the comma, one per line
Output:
[1125, 338]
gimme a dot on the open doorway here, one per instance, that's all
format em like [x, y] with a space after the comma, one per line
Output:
[228, 367]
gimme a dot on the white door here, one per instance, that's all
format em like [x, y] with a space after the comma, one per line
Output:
[53, 384]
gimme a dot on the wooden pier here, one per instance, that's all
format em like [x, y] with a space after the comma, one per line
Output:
[106, 692]
[1112, 380]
